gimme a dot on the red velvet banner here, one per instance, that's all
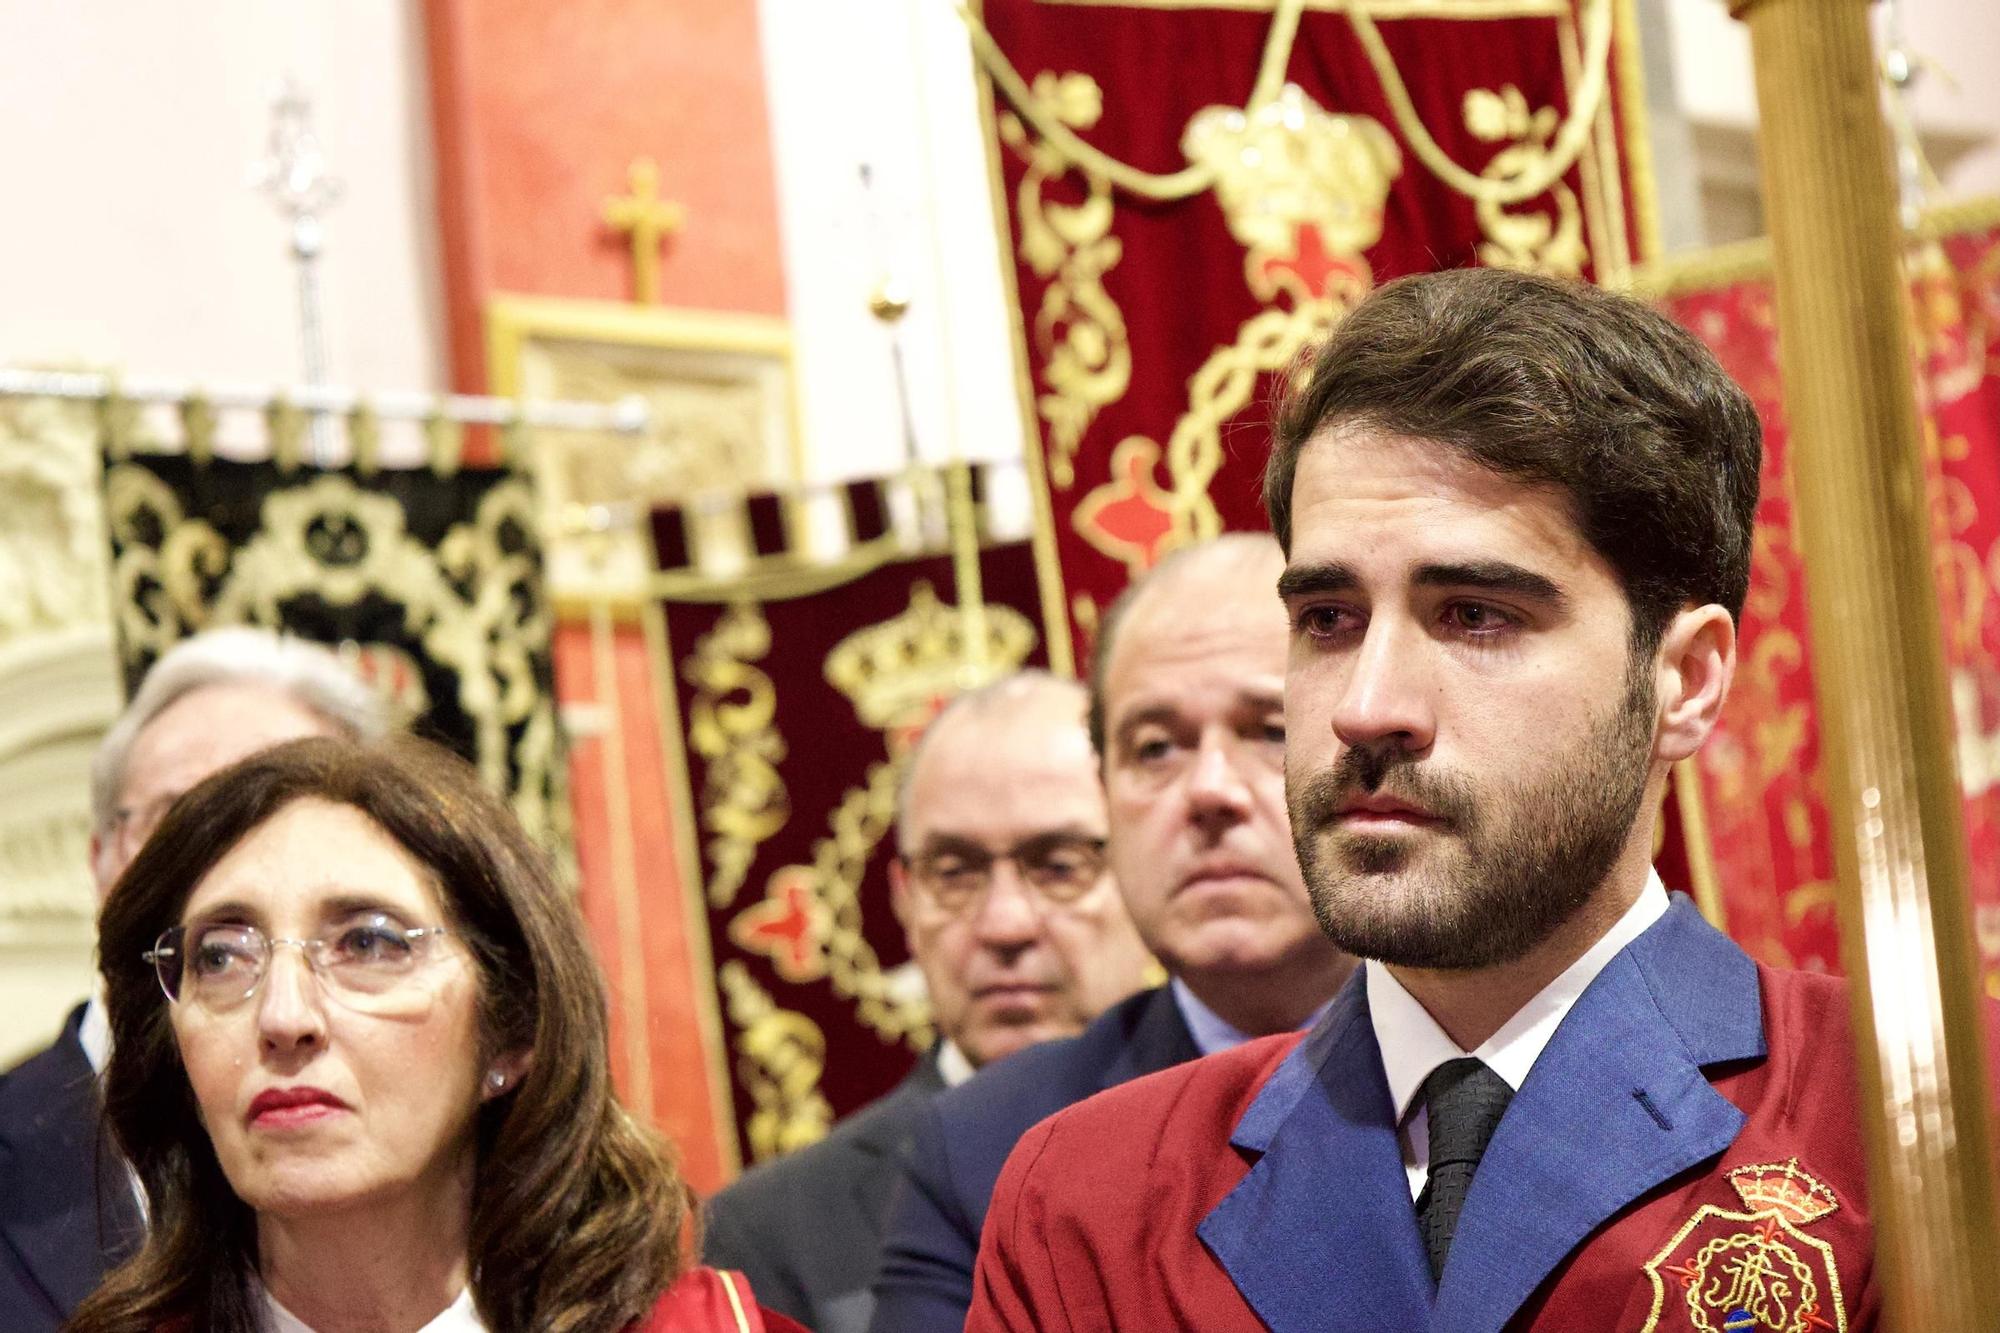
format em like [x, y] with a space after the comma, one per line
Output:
[1195, 194]
[797, 706]
[1760, 775]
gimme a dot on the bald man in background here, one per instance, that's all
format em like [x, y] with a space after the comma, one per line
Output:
[1003, 891]
[1187, 714]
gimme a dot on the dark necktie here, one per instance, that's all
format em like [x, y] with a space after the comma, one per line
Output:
[1464, 1101]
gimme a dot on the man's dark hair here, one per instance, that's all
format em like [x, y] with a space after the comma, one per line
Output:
[1556, 384]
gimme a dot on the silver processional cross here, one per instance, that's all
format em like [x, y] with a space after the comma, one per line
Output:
[293, 173]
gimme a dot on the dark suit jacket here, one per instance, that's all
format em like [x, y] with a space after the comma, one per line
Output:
[67, 1215]
[963, 1137]
[1689, 1141]
[805, 1229]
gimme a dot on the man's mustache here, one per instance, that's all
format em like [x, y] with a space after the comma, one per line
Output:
[1367, 771]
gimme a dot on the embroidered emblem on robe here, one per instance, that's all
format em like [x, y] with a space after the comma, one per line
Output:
[1754, 1271]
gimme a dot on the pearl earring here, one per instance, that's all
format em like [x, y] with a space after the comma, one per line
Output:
[497, 1081]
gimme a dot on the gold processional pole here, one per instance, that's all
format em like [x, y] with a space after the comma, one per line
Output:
[1878, 663]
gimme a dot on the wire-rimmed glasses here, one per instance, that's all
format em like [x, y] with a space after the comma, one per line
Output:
[369, 965]
[1056, 868]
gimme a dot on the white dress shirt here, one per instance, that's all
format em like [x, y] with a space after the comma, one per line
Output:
[954, 1066]
[1412, 1043]
[458, 1317]
[94, 1032]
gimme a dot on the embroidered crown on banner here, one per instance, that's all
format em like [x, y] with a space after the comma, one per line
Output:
[1785, 1190]
[908, 665]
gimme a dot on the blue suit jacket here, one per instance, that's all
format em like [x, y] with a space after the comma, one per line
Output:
[1264, 1188]
[962, 1139]
[67, 1214]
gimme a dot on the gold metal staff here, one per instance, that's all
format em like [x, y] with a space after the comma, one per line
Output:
[1878, 662]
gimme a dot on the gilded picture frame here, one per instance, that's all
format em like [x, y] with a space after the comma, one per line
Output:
[720, 391]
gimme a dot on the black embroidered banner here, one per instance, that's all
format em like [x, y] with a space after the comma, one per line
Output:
[428, 581]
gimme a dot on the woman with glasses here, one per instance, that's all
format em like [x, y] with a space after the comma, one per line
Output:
[360, 1065]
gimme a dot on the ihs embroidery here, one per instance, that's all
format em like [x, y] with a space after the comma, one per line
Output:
[1753, 1271]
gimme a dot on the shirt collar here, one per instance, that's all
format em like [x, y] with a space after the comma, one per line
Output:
[461, 1316]
[1412, 1043]
[94, 1032]
[953, 1066]
[1211, 1031]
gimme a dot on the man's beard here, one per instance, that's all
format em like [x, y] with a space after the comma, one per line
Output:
[1470, 892]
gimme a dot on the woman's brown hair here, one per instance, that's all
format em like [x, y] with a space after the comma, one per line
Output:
[577, 1212]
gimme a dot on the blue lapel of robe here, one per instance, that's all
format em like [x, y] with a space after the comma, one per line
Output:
[1578, 1142]
[1321, 1234]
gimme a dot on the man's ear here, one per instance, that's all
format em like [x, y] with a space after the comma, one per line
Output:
[899, 900]
[100, 851]
[1694, 667]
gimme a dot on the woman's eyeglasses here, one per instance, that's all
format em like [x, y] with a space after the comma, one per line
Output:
[371, 965]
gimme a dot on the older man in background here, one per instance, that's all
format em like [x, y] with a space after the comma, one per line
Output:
[1188, 718]
[68, 1209]
[1002, 889]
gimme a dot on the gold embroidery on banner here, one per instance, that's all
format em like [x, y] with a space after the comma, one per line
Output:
[1086, 355]
[1289, 166]
[1266, 344]
[1530, 241]
[1782, 728]
[1568, 137]
[839, 861]
[780, 1056]
[469, 601]
[897, 675]
[1304, 192]
[1386, 9]
[142, 510]
[743, 799]
[1599, 170]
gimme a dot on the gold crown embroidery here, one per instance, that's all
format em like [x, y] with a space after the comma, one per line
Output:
[1783, 1189]
[898, 670]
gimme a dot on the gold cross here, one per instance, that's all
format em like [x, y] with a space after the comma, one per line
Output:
[649, 220]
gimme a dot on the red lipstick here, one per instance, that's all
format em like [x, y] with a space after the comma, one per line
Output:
[282, 1108]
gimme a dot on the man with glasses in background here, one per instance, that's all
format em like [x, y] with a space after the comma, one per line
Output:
[1187, 716]
[1003, 891]
[68, 1210]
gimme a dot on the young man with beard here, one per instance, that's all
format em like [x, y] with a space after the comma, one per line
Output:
[1517, 520]
[1187, 711]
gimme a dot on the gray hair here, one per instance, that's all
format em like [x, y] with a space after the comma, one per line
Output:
[1009, 692]
[306, 671]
